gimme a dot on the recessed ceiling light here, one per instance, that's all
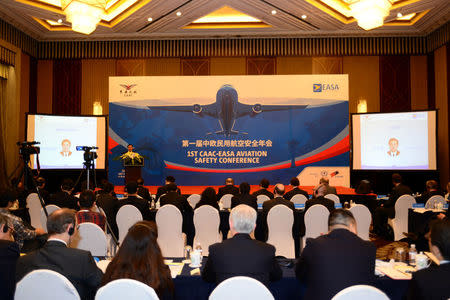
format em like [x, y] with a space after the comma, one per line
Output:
[150, 19]
[304, 17]
[178, 13]
[274, 12]
[399, 15]
[59, 21]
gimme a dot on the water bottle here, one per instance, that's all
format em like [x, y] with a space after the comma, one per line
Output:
[198, 248]
[412, 254]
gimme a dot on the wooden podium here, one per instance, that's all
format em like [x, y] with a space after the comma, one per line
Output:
[133, 171]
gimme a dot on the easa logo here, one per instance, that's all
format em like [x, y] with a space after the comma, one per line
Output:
[319, 87]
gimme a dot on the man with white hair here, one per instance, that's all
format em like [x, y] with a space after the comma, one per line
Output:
[241, 255]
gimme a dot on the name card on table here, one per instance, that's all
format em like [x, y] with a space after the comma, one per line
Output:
[418, 205]
[338, 205]
[299, 205]
[260, 205]
[445, 206]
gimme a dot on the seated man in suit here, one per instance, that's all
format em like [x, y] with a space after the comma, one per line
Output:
[432, 189]
[9, 253]
[241, 255]
[387, 209]
[296, 190]
[143, 191]
[337, 260]
[326, 182]
[76, 265]
[244, 197]
[133, 199]
[87, 211]
[172, 197]
[163, 189]
[319, 193]
[264, 184]
[229, 188]
[64, 197]
[432, 282]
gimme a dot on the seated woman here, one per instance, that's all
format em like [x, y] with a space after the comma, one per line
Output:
[139, 258]
[209, 197]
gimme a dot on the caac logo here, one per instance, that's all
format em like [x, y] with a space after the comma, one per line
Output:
[322, 87]
[127, 90]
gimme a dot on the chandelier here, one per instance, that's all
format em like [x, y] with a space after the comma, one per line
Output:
[370, 14]
[83, 14]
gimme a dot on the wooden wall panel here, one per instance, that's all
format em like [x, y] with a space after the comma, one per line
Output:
[395, 91]
[95, 83]
[45, 86]
[67, 87]
[327, 65]
[419, 88]
[261, 66]
[33, 86]
[431, 82]
[227, 65]
[195, 66]
[130, 67]
[162, 67]
[363, 76]
[441, 89]
[24, 93]
[294, 65]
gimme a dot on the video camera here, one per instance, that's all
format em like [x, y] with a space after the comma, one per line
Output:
[27, 148]
[88, 155]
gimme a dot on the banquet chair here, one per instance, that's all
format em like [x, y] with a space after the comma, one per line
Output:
[206, 222]
[34, 208]
[90, 237]
[279, 224]
[399, 223]
[171, 239]
[241, 288]
[361, 291]
[316, 222]
[126, 217]
[226, 200]
[126, 289]
[45, 284]
[299, 199]
[194, 199]
[333, 197]
[262, 198]
[434, 200]
[363, 218]
[50, 209]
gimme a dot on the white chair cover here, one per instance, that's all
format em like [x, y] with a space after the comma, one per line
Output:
[316, 221]
[206, 222]
[50, 209]
[365, 292]
[171, 239]
[34, 208]
[434, 200]
[226, 200]
[194, 199]
[400, 223]
[279, 223]
[363, 219]
[90, 237]
[45, 284]
[333, 197]
[262, 198]
[299, 199]
[241, 288]
[126, 289]
[127, 216]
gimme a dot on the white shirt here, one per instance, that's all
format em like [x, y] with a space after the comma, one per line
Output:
[55, 239]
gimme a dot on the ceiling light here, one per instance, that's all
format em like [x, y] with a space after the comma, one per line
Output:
[399, 15]
[59, 21]
[304, 17]
[83, 14]
[150, 19]
[178, 13]
[370, 14]
[274, 12]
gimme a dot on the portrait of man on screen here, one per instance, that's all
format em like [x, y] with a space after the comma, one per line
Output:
[65, 144]
[393, 147]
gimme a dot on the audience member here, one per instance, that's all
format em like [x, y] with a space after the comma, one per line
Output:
[64, 197]
[9, 253]
[78, 266]
[20, 231]
[432, 282]
[143, 191]
[163, 189]
[133, 199]
[241, 255]
[87, 211]
[244, 197]
[363, 187]
[336, 260]
[319, 193]
[295, 183]
[264, 185]
[447, 195]
[107, 200]
[278, 192]
[387, 209]
[139, 258]
[208, 197]
[229, 188]
[329, 189]
[172, 197]
[432, 188]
